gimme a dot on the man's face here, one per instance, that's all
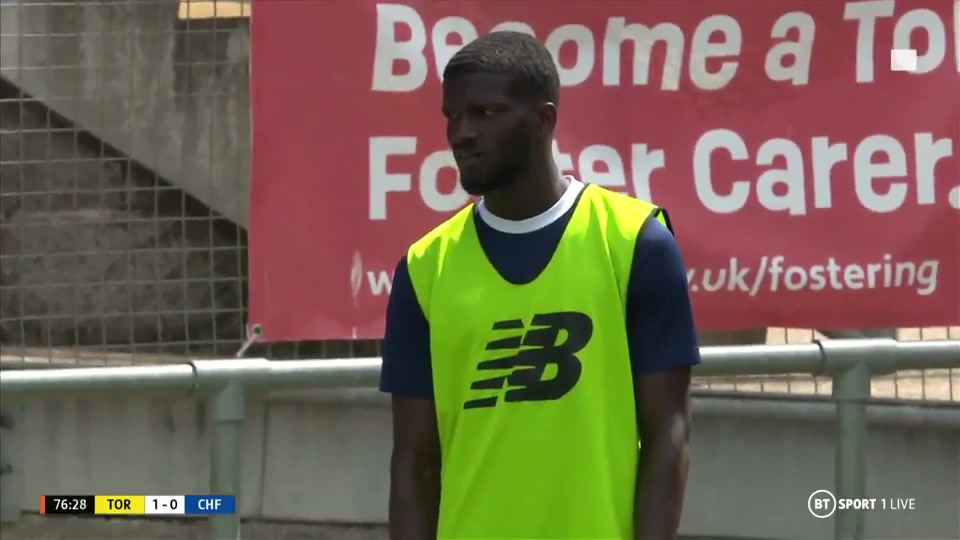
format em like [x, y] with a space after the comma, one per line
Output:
[491, 134]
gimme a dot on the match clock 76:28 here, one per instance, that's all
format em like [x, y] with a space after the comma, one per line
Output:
[67, 504]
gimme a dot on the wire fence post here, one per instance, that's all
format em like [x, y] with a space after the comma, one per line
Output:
[852, 364]
[226, 449]
[851, 390]
[231, 383]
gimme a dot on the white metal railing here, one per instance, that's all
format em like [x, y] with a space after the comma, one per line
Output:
[850, 363]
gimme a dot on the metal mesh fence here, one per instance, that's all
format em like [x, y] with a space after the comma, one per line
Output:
[123, 157]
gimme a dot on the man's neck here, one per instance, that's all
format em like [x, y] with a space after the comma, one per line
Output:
[527, 197]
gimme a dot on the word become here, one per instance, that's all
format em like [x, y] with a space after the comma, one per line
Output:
[709, 56]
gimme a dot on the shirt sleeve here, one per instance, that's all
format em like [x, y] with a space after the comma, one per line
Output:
[406, 367]
[660, 328]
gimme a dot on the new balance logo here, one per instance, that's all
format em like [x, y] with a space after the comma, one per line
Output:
[534, 351]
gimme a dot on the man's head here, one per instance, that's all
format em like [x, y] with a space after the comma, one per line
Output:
[500, 96]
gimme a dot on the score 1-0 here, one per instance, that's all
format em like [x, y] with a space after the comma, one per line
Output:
[168, 505]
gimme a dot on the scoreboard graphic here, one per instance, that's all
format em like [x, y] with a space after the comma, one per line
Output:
[137, 505]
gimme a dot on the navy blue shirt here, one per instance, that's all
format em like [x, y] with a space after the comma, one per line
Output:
[659, 317]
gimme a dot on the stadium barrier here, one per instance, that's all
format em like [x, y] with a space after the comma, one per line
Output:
[851, 364]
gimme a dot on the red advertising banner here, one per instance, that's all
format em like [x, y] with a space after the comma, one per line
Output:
[806, 150]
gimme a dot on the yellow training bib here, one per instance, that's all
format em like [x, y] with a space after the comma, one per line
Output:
[533, 387]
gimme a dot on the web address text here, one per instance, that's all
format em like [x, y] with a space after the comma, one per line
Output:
[774, 273]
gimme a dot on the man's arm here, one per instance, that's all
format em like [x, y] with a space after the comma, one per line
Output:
[407, 375]
[663, 348]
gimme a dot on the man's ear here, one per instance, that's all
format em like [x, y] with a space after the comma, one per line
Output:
[548, 118]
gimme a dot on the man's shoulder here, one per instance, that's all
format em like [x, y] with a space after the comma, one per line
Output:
[655, 237]
[440, 234]
[622, 204]
[617, 198]
[626, 215]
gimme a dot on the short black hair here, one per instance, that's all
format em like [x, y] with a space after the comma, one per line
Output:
[528, 64]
